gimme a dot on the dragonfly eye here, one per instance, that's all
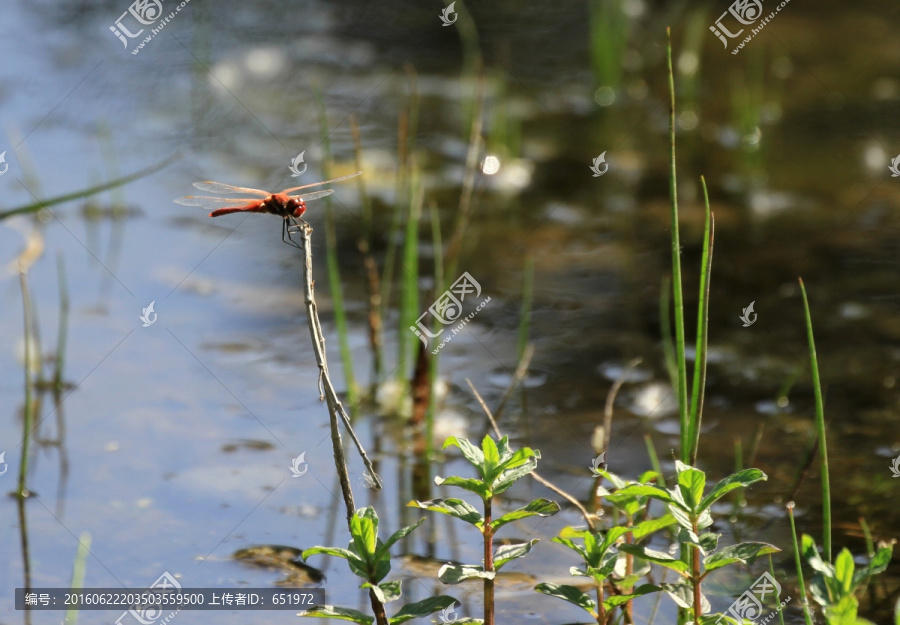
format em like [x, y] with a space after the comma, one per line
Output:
[296, 207]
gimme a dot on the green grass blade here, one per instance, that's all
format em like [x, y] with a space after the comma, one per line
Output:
[84, 545]
[820, 429]
[676, 267]
[699, 390]
[77, 195]
[407, 342]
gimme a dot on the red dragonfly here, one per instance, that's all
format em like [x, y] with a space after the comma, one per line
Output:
[288, 205]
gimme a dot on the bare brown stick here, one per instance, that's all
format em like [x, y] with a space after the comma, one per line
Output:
[556, 489]
[335, 408]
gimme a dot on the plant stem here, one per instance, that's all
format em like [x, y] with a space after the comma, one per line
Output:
[820, 429]
[378, 608]
[488, 563]
[22, 491]
[695, 575]
[335, 408]
[806, 615]
[676, 266]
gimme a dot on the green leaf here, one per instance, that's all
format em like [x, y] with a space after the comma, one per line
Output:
[683, 595]
[386, 591]
[469, 451]
[401, 533]
[509, 476]
[518, 458]
[364, 532]
[843, 570]
[645, 528]
[456, 573]
[424, 608]
[654, 492]
[663, 559]
[331, 551]
[508, 553]
[879, 563]
[741, 552]
[476, 486]
[538, 507]
[570, 594]
[491, 459]
[452, 507]
[717, 619]
[741, 479]
[614, 534]
[691, 483]
[572, 545]
[343, 614]
[615, 600]
[844, 612]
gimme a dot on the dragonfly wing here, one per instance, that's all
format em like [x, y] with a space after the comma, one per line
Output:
[213, 203]
[315, 195]
[316, 184]
[220, 187]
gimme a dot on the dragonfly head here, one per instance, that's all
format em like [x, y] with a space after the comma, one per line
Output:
[295, 207]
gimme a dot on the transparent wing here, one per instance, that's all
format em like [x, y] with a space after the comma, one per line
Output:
[315, 195]
[220, 187]
[213, 203]
[316, 184]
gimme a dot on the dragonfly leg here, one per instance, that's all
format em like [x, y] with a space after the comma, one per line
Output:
[294, 227]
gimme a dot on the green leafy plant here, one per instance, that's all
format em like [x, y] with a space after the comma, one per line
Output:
[369, 558]
[498, 468]
[602, 562]
[834, 586]
[692, 511]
